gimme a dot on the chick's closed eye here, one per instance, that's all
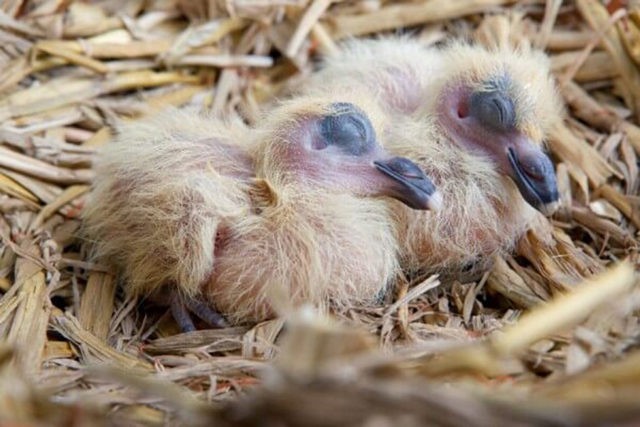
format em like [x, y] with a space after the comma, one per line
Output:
[348, 129]
[493, 109]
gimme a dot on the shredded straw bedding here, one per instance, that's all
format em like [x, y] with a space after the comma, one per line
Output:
[548, 336]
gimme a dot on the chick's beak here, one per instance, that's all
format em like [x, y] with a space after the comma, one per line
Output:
[533, 173]
[410, 184]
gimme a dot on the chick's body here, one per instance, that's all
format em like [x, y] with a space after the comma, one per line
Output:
[483, 212]
[291, 253]
[161, 191]
[240, 217]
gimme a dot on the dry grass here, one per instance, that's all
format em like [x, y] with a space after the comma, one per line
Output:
[460, 354]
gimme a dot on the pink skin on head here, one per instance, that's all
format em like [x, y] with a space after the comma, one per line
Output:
[515, 155]
[309, 157]
[467, 132]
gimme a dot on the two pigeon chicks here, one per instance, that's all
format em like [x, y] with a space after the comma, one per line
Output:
[226, 219]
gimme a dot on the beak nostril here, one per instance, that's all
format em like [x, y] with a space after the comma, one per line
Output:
[406, 168]
[536, 168]
[534, 172]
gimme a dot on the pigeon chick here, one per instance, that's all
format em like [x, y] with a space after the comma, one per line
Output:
[227, 219]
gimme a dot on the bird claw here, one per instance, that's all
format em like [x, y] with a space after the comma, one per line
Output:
[206, 313]
[180, 308]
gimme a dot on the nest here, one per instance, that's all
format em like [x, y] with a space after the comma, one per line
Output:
[75, 351]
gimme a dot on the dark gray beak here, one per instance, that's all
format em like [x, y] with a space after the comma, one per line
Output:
[535, 177]
[412, 186]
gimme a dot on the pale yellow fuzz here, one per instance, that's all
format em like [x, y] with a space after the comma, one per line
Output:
[167, 186]
[158, 199]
